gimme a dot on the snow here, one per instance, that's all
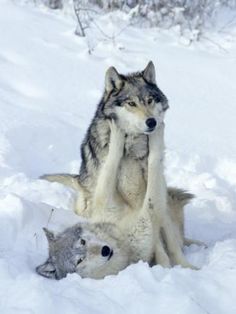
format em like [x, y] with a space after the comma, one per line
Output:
[49, 88]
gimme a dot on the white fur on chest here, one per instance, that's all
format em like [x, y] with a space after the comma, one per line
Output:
[136, 147]
[132, 176]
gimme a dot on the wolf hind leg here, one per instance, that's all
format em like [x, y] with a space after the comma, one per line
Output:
[161, 257]
[173, 247]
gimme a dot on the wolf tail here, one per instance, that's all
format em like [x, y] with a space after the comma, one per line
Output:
[71, 180]
[179, 198]
[189, 242]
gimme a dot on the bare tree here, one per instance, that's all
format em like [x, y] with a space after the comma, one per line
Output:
[80, 29]
[192, 17]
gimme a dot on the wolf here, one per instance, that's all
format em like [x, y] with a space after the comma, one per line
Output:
[137, 224]
[137, 107]
[95, 250]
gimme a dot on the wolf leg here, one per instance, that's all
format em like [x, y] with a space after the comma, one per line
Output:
[157, 191]
[152, 202]
[105, 192]
[161, 256]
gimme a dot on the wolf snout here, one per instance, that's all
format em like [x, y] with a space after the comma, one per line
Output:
[151, 123]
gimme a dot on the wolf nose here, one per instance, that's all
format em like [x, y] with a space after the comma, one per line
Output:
[151, 123]
[105, 251]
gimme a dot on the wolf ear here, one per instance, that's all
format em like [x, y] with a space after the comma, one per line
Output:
[113, 80]
[149, 73]
[47, 270]
[49, 234]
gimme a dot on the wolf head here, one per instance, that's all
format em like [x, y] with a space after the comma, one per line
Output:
[134, 101]
[79, 250]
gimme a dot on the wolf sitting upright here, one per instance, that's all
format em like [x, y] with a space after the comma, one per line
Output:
[138, 106]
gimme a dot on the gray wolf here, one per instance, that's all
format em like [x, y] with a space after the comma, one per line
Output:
[95, 250]
[137, 107]
[143, 236]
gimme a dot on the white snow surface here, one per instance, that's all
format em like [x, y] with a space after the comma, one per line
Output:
[49, 89]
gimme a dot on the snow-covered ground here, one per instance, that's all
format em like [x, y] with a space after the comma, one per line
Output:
[49, 88]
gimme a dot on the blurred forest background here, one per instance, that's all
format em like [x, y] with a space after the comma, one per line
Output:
[189, 18]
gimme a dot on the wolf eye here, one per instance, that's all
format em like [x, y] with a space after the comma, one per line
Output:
[82, 242]
[150, 99]
[131, 103]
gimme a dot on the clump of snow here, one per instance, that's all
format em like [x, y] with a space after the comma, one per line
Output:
[49, 88]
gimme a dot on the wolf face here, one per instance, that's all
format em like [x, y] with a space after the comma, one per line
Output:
[79, 250]
[135, 101]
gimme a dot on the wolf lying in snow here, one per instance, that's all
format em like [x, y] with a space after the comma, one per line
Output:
[137, 106]
[135, 238]
[96, 250]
